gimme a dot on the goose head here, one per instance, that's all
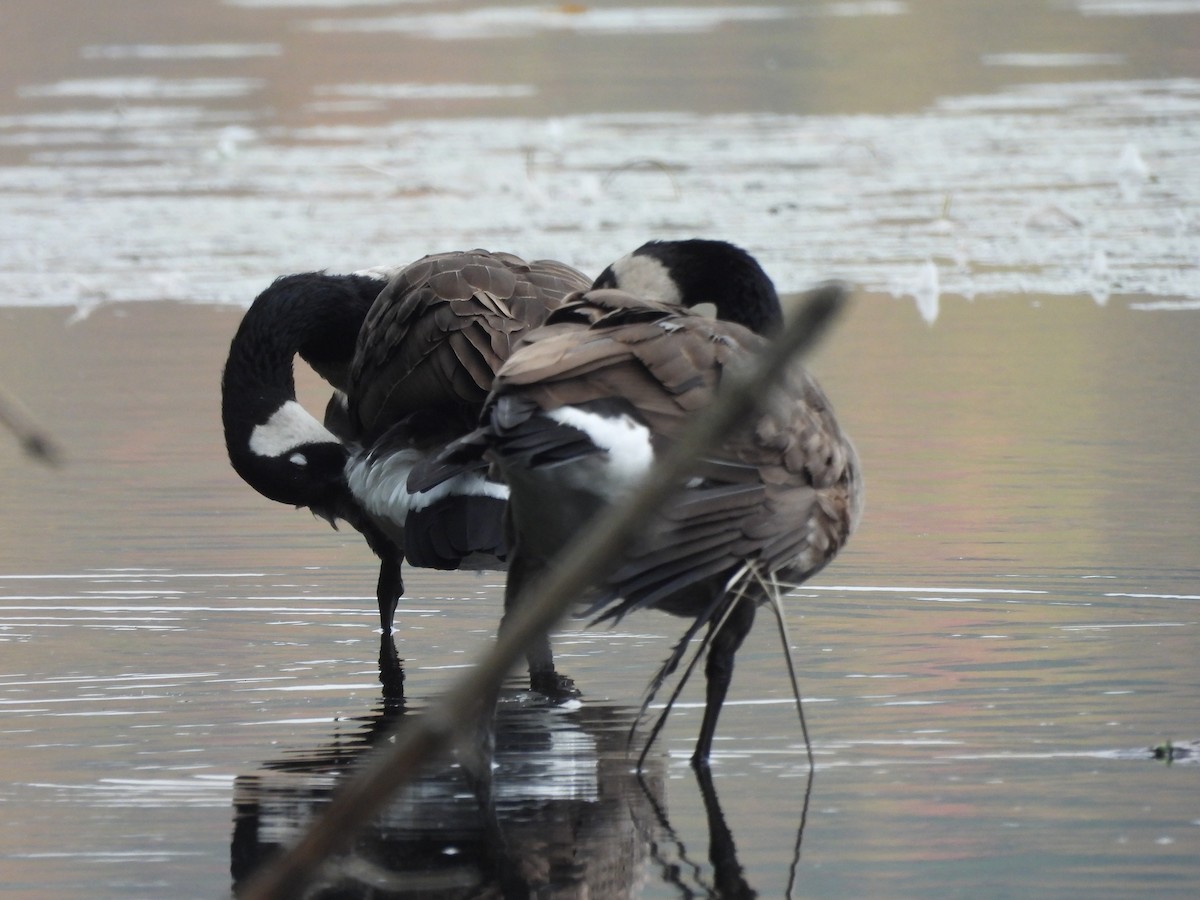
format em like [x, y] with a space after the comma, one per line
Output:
[274, 444]
[698, 272]
[286, 455]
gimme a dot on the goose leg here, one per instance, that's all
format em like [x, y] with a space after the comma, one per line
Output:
[538, 654]
[718, 671]
[388, 591]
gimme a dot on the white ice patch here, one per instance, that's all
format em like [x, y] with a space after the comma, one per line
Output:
[1052, 60]
[1137, 7]
[418, 91]
[306, 4]
[630, 453]
[146, 88]
[180, 51]
[380, 484]
[927, 291]
[517, 21]
[289, 427]
[645, 276]
[1025, 222]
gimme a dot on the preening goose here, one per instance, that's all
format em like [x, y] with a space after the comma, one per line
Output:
[278, 447]
[407, 375]
[580, 410]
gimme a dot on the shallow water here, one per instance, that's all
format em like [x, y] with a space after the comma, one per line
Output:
[186, 666]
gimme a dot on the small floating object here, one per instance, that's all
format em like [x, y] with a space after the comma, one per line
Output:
[1171, 751]
[1132, 171]
[34, 441]
[927, 291]
[1099, 280]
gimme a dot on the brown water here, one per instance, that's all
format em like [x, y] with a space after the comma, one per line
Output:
[186, 666]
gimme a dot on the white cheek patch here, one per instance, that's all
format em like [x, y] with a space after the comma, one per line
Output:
[289, 427]
[298, 459]
[630, 453]
[645, 276]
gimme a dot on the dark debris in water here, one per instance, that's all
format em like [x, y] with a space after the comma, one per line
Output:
[1177, 752]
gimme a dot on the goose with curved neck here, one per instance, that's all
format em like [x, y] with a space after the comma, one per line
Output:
[375, 337]
[277, 446]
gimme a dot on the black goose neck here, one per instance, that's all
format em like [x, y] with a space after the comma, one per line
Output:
[312, 314]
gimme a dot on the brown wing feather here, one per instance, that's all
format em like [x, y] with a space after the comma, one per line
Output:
[664, 360]
[784, 492]
[440, 330]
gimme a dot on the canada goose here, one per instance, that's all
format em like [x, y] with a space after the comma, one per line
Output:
[411, 352]
[274, 444]
[581, 408]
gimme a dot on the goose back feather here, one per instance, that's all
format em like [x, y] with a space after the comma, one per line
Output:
[438, 333]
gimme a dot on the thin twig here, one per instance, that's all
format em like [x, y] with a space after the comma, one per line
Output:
[632, 164]
[36, 442]
[583, 563]
[777, 607]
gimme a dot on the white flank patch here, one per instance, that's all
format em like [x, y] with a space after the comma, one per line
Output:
[630, 453]
[645, 276]
[471, 485]
[381, 485]
[289, 427]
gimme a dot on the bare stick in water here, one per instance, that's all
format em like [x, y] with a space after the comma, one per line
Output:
[36, 442]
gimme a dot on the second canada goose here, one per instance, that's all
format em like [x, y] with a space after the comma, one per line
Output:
[581, 409]
[412, 352]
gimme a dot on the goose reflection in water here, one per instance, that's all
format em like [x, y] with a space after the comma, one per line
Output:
[563, 815]
[568, 815]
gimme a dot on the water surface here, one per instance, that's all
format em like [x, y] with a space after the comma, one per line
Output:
[188, 667]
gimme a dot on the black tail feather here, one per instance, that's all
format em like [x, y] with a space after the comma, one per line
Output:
[443, 534]
[459, 457]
